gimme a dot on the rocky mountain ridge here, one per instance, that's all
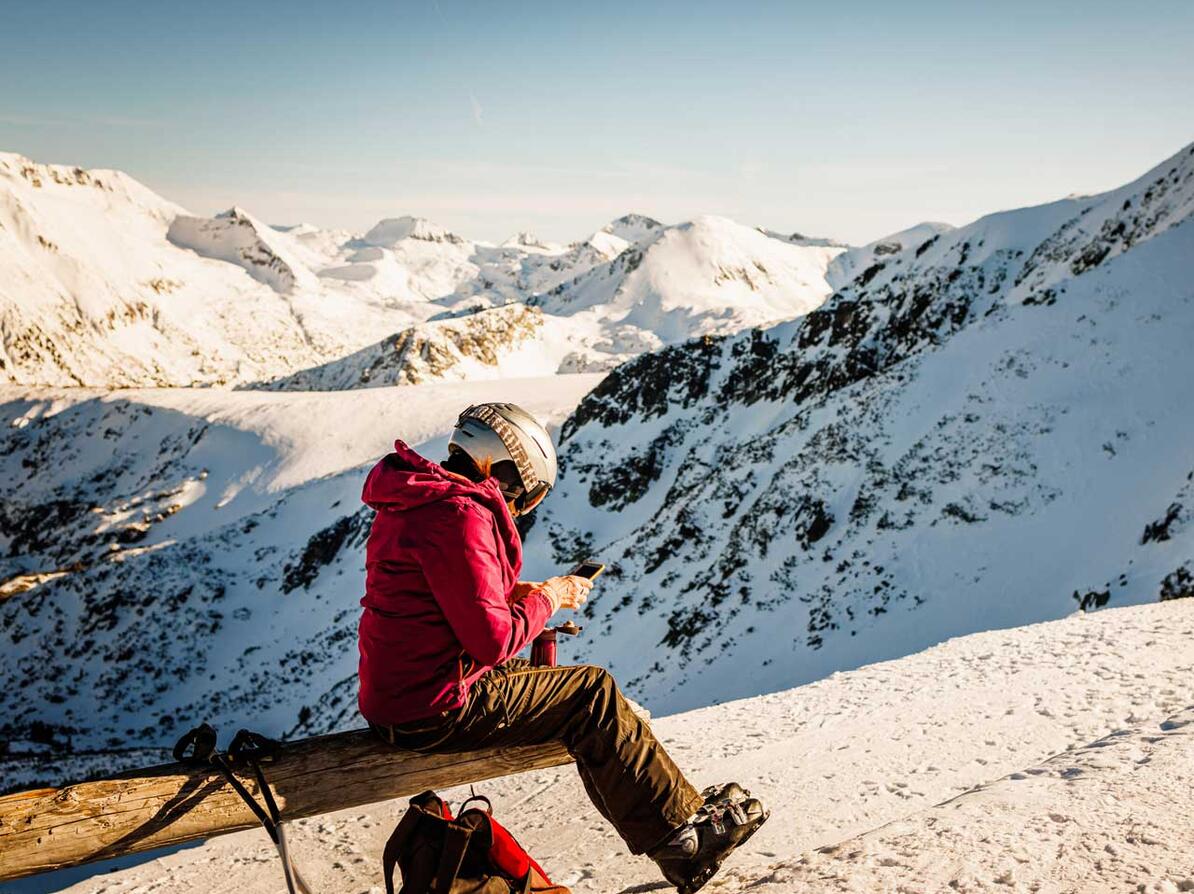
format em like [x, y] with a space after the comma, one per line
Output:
[477, 345]
[914, 460]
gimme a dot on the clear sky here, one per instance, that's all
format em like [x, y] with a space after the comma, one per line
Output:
[843, 119]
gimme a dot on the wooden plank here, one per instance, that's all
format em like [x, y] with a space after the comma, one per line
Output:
[50, 829]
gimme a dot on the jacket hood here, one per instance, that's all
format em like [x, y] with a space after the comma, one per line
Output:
[404, 480]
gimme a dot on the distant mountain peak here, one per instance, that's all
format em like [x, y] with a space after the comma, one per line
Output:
[797, 238]
[234, 213]
[391, 230]
[528, 239]
[633, 227]
[239, 238]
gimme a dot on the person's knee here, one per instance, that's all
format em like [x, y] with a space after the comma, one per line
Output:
[603, 693]
[598, 680]
[604, 678]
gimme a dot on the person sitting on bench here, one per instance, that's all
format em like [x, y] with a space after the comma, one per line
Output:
[445, 615]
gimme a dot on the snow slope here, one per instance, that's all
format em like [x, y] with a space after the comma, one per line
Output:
[981, 429]
[850, 263]
[104, 284]
[979, 435]
[1059, 754]
[985, 430]
[1110, 816]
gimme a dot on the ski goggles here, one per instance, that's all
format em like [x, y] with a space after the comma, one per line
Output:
[523, 499]
[528, 500]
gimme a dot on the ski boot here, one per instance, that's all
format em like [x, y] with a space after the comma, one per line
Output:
[725, 793]
[697, 849]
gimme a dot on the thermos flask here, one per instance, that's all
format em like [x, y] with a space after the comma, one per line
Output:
[543, 647]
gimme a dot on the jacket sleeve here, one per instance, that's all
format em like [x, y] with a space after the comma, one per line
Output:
[464, 570]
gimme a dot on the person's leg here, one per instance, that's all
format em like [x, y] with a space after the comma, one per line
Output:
[629, 776]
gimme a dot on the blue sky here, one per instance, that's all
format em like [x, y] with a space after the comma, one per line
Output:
[842, 119]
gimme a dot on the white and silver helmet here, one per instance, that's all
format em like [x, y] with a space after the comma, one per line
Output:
[514, 445]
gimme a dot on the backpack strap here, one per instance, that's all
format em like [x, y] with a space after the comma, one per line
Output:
[456, 840]
[396, 843]
[480, 799]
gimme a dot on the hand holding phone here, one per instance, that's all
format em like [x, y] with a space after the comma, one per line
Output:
[587, 569]
[569, 591]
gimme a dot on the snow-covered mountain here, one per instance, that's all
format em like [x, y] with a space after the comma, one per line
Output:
[988, 428]
[843, 268]
[707, 276]
[633, 228]
[394, 230]
[510, 340]
[1055, 757]
[96, 288]
[239, 238]
[982, 430]
[104, 284]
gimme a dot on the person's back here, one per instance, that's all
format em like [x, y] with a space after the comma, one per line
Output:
[413, 663]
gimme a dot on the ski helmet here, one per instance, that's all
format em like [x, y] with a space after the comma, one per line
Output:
[514, 444]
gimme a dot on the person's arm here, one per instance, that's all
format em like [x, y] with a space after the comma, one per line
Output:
[524, 588]
[462, 565]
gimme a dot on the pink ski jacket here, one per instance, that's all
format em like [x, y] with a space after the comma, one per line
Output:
[440, 566]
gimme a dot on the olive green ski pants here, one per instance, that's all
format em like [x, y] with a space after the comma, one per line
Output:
[628, 775]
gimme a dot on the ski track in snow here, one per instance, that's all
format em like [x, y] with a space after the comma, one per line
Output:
[1059, 756]
[1114, 815]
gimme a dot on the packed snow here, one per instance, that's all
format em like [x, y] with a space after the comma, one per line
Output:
[1055, 757]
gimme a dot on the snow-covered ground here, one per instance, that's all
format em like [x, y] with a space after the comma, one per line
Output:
[1114, 815]
[1060, 755]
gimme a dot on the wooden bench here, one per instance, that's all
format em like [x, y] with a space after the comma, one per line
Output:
[141, 810]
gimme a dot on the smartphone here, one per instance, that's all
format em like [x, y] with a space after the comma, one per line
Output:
[588, 568]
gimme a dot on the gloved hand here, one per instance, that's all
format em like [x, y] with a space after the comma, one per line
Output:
[569, 591]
